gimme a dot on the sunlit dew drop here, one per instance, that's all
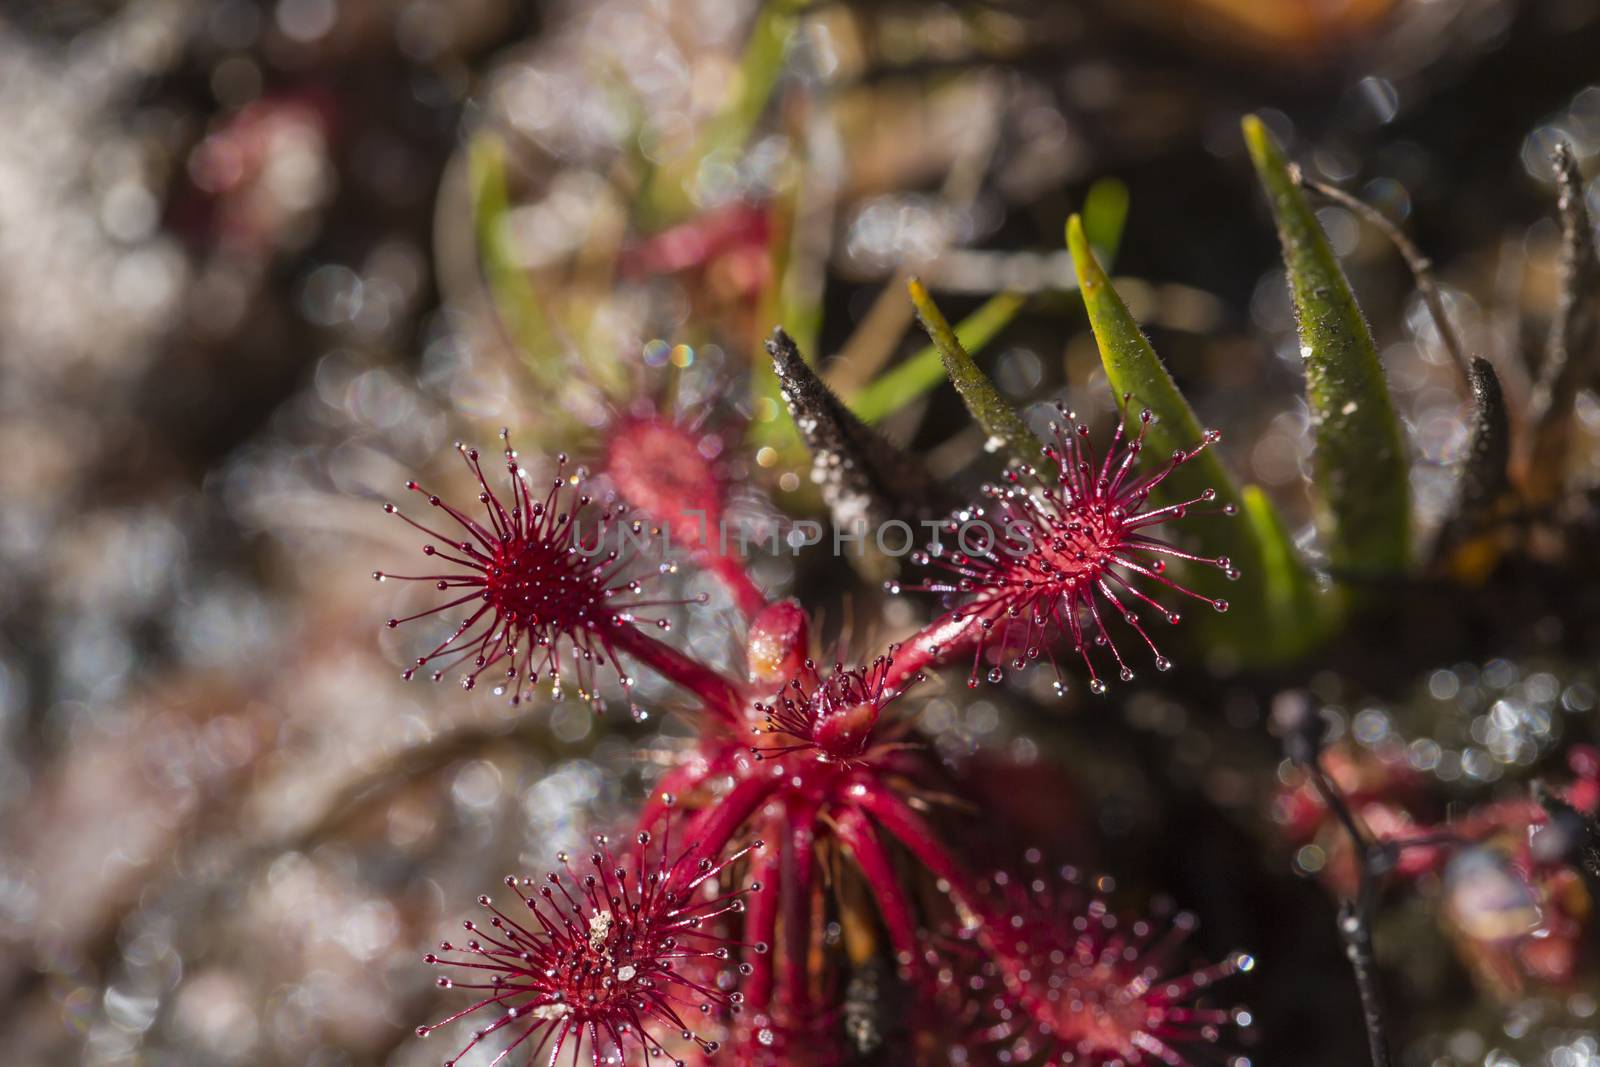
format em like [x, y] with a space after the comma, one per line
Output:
[1097, 687]
[656, 353]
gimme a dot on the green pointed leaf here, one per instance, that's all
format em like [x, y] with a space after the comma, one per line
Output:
[793, 299]
[511, 291]
[1300, 614]
[1360, 484]
[895, 388]
[1105, 213]
[667, 198]
[1133, 367]
[1268, 600]
[997, 417]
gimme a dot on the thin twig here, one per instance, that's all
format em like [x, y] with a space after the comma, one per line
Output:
[1577, 256]
[1355, 930]
[1296, 721]
[1356, 916]
[1421, 266]
[1578, 837]
[1573, 333]
[1334, 800]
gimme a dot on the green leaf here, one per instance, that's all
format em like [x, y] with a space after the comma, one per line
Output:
[997, 417]
[511, 291]
[1360, 484]
[1299, 613]
[790, 298]
[667, 198]
[1268, 601]
[895, 388]
[1133, 366]
[1105, 213]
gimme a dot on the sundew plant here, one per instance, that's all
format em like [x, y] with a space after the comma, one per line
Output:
[812, 815]
[800, 533]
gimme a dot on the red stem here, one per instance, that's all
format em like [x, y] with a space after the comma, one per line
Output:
[799, 852]
[908, 828]
[714, 827]
[761, 923]
[730, 571]
[676, 782]
[720, 696]
[855, 831]
[952, 637]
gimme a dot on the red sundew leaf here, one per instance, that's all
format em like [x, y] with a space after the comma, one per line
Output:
[1052, 562]
[543, 576]
[618, 961]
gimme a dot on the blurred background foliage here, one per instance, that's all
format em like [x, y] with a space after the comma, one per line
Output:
[261, 262]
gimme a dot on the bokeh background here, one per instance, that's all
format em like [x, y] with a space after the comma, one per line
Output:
[261, 262]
